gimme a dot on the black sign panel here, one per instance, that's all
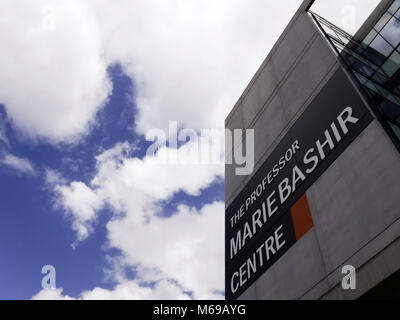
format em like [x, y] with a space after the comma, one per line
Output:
[258, 225]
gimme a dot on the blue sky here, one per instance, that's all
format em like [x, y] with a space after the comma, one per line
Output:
[34, 232]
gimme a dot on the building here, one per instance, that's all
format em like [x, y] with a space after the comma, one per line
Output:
[319, 218]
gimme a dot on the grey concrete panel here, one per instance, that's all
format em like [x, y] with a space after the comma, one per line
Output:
[315, 292]
[259, 93]
[236, 182]
[235, 120]
[368, 252]
[300, 268]
[301, 85]
[347, 203]
[307, 29]
[375, 271]
[232, 188]
[299, 37]
[293, 44]
[305, 78]
[268, 128]
[249, 294]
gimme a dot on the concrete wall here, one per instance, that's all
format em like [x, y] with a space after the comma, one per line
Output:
[353, 204]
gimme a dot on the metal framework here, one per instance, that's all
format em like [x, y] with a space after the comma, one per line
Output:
[381, 88]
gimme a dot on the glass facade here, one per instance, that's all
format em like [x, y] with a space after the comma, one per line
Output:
[375, 62]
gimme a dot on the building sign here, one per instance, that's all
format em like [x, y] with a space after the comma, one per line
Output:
[271, 213]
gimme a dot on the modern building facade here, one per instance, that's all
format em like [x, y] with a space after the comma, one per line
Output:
[319, 218]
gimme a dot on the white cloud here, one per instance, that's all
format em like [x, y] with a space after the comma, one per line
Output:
[3, 133]
[129, 290]
[188, 247]
[129, 183]
[153, 177]
[54, 178]
[51, 294]
[53, 76]
[82, 203]
[190, 59]
[20, 164]
[159, 247]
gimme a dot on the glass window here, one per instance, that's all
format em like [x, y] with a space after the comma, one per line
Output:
[373, 55]
[371, 86]
[380, 77]
[390, 110]
[389, 96]
[362, 79]
[361, 66]
[392, 64]
[397, 15]
[370, 93]
[391, 32]
[368, 39]
[393, 8]
[382, 22]
[382, 46]
[395, 129]
[395, 57]
[380, 90]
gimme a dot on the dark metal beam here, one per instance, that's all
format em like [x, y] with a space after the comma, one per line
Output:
[309, 5]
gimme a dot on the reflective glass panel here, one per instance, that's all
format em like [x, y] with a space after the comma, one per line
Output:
[392, 64]
[381, 45]
[395, 129]
[391, 32]
[397, 15]
[390, 110]
[368, 39]
[393, 8]
[382, 22]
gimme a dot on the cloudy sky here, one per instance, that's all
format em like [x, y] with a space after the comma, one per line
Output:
[81, 84]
